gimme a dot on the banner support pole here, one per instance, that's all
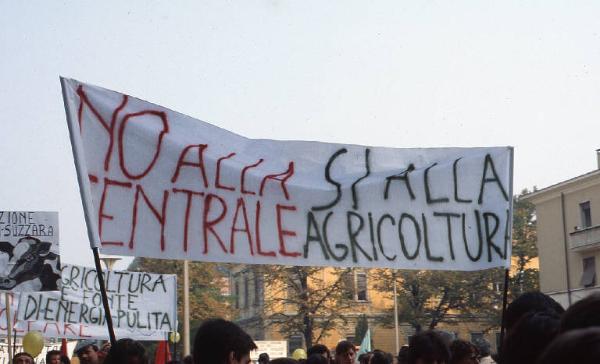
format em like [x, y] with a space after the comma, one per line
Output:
[9, 327]
[396, 333]
[504, 304]
[186, 307]
[88, 211]
[107, 316]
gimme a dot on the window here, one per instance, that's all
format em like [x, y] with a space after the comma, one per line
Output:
[355, 285]
[246, 290]
[588, 278]
[294, 342]
[586, 214]
[236, 292]
[361, 286]
[256, 289]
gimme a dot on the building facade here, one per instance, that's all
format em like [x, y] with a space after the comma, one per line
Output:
[568, 234]
[248, 289]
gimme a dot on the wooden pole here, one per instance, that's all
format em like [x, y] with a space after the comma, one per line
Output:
[504, 304]
[396, 330]
[186, 308]
[86, 200]
[9, 328]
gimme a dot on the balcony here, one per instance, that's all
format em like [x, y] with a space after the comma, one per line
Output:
[585, 239]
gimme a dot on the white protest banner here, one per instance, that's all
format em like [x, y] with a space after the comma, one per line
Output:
[66, 330]
[138, 300]
[165, 185]
[275, 349]
[29, 252]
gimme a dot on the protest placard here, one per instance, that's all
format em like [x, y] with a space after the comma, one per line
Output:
[137, 300]
[66, 330]
[165, 185]
[29, 252]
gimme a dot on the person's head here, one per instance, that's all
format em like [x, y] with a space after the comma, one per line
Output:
[403, 355]
[428, 347]
[87, 352]
[380, 357]
[22, 358]
[263, 358]
[529, 302]
[364, 358]
[319, 349]
[483, 346]
[53, 357]
[579, 346]
[463, 352]
[219, 341]
[126, 351]
[284, 361]
[582, 314]
[317, 358]
[65, 359]
[529, 337]
[345, 352]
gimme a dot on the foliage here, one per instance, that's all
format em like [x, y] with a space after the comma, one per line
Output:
[306, 300]
[206, 298]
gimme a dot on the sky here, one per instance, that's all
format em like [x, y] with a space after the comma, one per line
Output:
[385, 73]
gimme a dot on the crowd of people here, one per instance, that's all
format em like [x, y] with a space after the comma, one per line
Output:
[538, 330]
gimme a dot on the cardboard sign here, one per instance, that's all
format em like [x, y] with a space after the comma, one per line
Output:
[29, 252]
[138, 300]
[164, 185]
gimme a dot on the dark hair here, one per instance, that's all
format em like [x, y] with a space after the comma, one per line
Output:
[529, 337]
[125, 349]
[284, 361]
[343, 346]
[461, 349]
[581, 346]
[318, 349]
[262, 357]
[364, 358]
[530, 302]
[429, 346]
[403, 355]
[65, 359]
[216, 338]
[381, 357]
[317, 359]
[582, 314]
[51, 353]
[483, 346]
[22, 354]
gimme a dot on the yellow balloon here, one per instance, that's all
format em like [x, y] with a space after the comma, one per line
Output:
[299, 354]
[33, 343]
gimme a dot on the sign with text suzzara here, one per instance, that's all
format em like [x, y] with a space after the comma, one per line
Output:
[166, 185]
[138, 300]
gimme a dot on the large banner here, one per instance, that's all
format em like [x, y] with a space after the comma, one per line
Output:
[138, 300]
[29, 252]
[164, 185]
[65, 330]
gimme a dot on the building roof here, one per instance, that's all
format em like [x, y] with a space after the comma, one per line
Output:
[561, 186]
